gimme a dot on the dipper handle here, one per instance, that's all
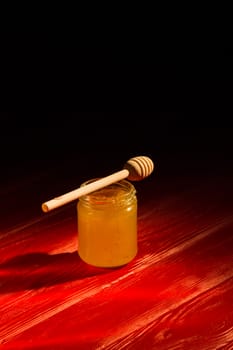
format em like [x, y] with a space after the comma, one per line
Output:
[135, 169]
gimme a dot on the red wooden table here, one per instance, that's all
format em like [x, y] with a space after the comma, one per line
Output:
[176, 294]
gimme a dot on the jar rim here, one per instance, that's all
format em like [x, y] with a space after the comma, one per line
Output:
[115, 193]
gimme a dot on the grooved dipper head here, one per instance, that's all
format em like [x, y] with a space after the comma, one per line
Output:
[139, 168]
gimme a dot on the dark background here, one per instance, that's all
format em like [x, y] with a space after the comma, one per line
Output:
[179, 61]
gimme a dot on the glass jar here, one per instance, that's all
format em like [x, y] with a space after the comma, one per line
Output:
[107, 225]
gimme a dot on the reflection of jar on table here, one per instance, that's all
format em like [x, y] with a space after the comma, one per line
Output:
[107, 225]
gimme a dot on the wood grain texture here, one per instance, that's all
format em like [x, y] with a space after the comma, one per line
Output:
[176, 294]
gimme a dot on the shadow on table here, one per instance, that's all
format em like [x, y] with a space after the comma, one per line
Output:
[38, 270]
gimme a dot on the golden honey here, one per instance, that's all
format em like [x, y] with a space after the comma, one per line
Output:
[107, 225]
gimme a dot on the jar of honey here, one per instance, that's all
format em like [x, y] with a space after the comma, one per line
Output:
[107, 225]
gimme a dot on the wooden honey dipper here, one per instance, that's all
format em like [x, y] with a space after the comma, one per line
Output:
[135, 169]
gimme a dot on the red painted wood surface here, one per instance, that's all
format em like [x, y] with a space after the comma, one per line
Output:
[176, 294]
